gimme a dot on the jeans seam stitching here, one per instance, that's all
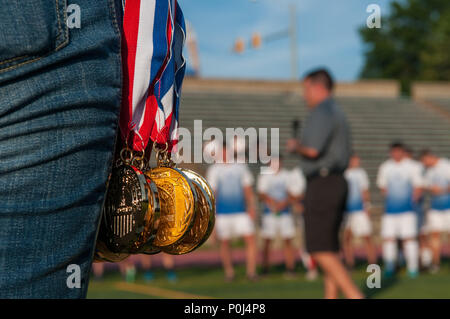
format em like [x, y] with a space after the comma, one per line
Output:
[58, 47]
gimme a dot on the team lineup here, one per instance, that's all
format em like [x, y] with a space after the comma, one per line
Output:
[403, 182]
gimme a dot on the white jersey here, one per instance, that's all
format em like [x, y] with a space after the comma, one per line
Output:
[298, 182]
[358, 182]
[279, 185]
[228, 182]
[418, 166]
[399, 179]
[439, 175]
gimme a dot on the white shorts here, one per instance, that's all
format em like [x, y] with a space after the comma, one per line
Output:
[402, 225]
[438, 221]
[359, 223]
[273, 225]
[233, 225]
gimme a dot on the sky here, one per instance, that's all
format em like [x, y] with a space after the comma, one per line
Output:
[327, 36]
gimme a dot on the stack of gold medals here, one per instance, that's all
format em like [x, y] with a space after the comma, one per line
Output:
[151, 210]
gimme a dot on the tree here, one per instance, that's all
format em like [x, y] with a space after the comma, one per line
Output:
[412, 43]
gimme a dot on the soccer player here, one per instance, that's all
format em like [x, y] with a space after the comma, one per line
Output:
[235, 208]
[357, 219]
[277, 191]
[400, 183]
[419, 209]
[437, 183]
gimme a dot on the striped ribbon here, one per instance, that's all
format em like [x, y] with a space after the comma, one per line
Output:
[153, 69]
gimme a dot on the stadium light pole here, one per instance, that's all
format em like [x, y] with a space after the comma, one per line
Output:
[293, 38]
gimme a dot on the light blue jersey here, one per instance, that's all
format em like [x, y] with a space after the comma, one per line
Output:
[228, 182]
[399, 180]
[358, 182]
[279, 185]
[439, 175]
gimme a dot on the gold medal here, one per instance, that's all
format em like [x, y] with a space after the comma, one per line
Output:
[203, 221]
[131, 211]
[102, 254]
[194, 176]
[177, 198]
[148, 248]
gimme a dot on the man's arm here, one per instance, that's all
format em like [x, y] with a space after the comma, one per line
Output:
[294, 146]
[318, 130]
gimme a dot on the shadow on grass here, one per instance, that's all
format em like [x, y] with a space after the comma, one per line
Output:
[386, 282]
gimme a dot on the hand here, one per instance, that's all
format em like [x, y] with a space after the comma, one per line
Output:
[292, 145]
[271, 204]
[436, 190]
[280, 206]
[297, 208]
[367, 207]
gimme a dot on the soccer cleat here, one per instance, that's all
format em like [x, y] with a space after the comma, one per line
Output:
[171, 276]
[434, 269]
[413, 274]
[389, 273]
[130, 275]
[389, 270]
[312, 275]
[149, 276]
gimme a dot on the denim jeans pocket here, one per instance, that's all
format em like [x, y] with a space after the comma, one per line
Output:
[31, 30]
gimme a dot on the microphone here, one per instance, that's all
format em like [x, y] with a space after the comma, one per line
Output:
[296, 125]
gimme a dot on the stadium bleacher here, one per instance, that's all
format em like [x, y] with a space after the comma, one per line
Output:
[443, 103]
[375, 122]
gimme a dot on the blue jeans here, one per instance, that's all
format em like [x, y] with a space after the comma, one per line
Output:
[60, 94]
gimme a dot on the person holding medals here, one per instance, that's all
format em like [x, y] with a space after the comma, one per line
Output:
[65, 94]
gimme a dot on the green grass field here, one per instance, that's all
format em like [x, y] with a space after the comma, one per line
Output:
[209, 283]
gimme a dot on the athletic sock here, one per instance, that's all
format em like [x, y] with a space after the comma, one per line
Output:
[412, 256]
[389, 255]
[426, 257]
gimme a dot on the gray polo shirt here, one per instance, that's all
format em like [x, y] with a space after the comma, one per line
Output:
[326, 130]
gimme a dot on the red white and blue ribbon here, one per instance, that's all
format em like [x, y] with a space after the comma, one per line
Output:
[153, 70]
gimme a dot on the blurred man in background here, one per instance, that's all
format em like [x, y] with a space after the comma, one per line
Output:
[357, 222]
[400, 183]
[232, 184]
[325, 152]
[437, 183]
[277, 190]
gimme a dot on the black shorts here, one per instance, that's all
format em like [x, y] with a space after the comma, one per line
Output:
[325, 201]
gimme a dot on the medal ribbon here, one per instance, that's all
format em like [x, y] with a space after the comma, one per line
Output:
[153, 72]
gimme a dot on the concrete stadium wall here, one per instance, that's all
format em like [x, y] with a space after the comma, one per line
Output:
[424, 90]
[366, 88]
